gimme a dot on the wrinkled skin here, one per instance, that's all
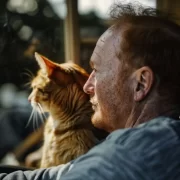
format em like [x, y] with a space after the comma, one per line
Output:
[110, 94]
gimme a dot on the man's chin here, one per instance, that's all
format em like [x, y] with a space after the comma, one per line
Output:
[97, 121]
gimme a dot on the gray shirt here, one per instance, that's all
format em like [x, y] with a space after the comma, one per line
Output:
[150, 151]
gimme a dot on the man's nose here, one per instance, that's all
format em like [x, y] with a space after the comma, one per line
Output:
[89, 86]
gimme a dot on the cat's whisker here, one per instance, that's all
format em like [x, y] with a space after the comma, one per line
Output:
[35, 124]
[35, 120]
[31, 117]
[38, 119]
[40, 108]
[28, 84]
[43, 116]
[28, 73]
[35, 114]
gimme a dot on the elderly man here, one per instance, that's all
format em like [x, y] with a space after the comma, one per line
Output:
[135, 94]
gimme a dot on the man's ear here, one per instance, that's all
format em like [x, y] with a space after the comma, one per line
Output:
[144, 78]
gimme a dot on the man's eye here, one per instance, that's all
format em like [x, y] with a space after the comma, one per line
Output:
[94, 70]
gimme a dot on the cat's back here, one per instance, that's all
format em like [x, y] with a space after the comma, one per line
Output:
[63, 148]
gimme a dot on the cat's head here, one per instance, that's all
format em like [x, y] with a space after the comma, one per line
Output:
[58, 86]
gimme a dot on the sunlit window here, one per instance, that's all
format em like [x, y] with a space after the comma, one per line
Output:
[101, 7]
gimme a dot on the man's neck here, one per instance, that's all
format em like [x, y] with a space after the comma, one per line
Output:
[151, 109]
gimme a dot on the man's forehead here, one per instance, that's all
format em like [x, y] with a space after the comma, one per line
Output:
[107, 35]
[108, 41]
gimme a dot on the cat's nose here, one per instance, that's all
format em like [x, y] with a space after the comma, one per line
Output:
[29, 98]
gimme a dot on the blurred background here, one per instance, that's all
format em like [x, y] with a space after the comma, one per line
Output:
[62, 30]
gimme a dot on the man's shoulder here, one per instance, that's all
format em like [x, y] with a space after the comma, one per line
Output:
[149, 151]
[161, 131]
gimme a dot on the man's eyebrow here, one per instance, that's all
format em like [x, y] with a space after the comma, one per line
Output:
[102, 40]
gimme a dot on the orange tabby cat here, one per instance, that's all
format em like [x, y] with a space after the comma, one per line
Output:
[58, 89]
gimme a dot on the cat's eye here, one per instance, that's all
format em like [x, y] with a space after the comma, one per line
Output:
[41, 90]
[44, 93]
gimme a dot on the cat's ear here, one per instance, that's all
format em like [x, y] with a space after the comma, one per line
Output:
[81, 77]
[45, 64]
